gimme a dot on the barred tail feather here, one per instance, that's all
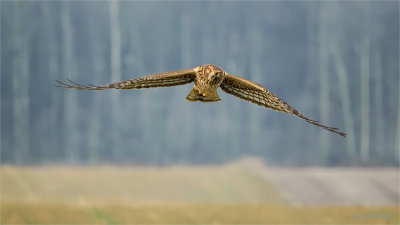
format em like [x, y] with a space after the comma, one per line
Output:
[194, 95]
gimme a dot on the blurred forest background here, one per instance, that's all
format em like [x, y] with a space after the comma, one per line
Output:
[336, 62]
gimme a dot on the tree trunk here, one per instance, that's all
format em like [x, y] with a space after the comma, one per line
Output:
[255, 71]
[115, 45]
[71, 111]
[344, 91]
[324, 81]
[98, 49]
[380, 147]
[189, 127]
[364, 101]
[20, 86]
[53, 71]
[234, 114]
[396, 153]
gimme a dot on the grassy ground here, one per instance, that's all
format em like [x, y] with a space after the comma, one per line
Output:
[136, 186]
[195, 214]
[175, 195]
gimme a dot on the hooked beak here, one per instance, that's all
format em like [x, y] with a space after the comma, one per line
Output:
[212, 76]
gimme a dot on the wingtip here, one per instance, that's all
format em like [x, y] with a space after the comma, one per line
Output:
[59, 84]
[342, 134]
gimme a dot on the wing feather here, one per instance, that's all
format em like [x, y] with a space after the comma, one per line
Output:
[167, 79]
[256, 93]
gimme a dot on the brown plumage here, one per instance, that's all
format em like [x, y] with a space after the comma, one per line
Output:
[207, 79]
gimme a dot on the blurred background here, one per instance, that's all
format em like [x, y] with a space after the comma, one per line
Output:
[336, 62]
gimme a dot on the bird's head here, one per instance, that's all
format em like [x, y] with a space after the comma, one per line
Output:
[214, 73]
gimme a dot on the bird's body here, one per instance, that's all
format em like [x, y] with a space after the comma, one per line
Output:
[206, 83]
[207, 79]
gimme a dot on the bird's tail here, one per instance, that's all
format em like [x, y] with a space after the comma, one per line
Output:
[194, 95]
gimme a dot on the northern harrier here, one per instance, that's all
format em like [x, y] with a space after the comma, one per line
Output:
[207, 79]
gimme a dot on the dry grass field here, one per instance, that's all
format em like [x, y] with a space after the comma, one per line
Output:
[229, 194]
[195, 214]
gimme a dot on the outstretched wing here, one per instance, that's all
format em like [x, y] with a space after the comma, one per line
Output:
[256, 93]
[166, 79]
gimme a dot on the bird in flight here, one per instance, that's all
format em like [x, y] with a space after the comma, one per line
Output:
[207, 79]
